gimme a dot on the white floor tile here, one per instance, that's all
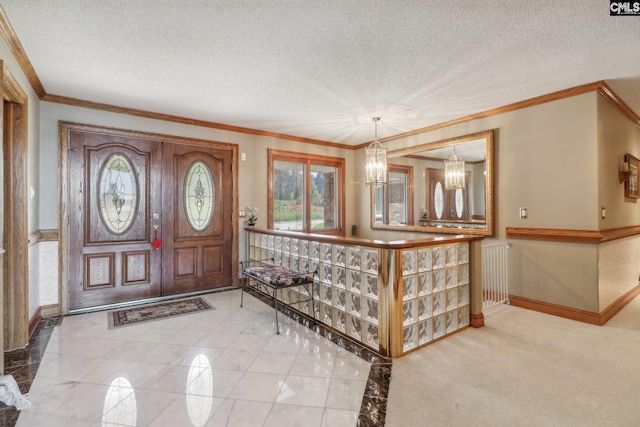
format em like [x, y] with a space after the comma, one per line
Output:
[258, 386]
[345, 394]
[274, 363]
[235, 359]
[304, 391]
[314, 366]
[221, 367]
[218, 338]
[294, 416]
[339, 418]
[240, 413]
[350, 368]
[186, 411]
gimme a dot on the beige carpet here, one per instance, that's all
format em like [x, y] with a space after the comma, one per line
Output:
[523, 368]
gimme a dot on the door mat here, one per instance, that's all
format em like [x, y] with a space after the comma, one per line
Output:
[147, 313]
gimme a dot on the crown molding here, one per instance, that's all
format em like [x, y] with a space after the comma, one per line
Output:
[185, 120]
[554, 96]
[10, 37]
[607, 93]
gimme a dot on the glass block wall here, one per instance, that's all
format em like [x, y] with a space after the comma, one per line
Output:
[433, 281]
[435, 299]
[346, 297]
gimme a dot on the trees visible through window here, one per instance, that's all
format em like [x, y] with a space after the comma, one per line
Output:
[306, 192]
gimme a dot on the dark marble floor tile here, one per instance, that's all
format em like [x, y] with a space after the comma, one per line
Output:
[15, 359]
[373, 411]
[23, 364]
[25, 372]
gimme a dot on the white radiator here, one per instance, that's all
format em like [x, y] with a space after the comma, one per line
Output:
[495, 276]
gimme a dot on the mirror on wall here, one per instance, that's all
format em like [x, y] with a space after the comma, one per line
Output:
[419, 197]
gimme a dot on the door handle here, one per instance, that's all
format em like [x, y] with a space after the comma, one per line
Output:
[2, 251]
[156, 242]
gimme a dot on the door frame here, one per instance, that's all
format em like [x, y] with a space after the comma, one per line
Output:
[15, 263]
[64, 131]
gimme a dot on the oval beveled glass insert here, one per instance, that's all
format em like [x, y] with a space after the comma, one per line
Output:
[459, 203]
[118, 194]
[199, 195]
[438, 196]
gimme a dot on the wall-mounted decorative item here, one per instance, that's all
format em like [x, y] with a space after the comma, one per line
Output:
[631, 183]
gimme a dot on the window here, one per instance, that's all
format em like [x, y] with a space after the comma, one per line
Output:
[306, 193]
[394, 201]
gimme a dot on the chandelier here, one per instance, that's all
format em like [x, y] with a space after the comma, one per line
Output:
[453, 172]
[376, 160]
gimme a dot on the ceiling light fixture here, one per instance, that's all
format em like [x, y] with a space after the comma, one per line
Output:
[453, 172]
[376, 160]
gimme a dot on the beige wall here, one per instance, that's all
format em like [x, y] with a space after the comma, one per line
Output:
[616, 137]
[546, 159]
[618, 260]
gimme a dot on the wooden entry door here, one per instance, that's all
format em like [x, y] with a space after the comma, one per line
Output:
[115, 189]
[124, 193]
[197, 218]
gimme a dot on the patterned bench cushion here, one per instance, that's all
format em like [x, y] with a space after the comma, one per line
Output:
[278, 276]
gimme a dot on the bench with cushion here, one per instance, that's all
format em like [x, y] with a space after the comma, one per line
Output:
[275, 278]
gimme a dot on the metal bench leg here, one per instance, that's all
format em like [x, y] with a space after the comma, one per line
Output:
[242, 293]
[313, 302]
[275, 300]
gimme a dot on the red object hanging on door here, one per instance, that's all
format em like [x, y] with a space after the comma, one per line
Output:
[156, 242]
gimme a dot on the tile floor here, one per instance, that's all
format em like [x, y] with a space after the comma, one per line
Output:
[220, 367]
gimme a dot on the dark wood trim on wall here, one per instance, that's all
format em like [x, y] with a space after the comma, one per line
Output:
[33, 323]
[49, 235]
[16, 270]
[574, 313]
[571, 236]
[308, 160]
[605, 91]
[185, 120]
[554, 235]
[566, 93]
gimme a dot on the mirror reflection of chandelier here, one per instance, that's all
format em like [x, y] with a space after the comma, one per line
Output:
[453, 172]
[376, 160]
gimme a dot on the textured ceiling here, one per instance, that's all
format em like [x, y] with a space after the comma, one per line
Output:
[322, 70]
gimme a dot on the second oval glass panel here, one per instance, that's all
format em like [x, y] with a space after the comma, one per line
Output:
[199, 195]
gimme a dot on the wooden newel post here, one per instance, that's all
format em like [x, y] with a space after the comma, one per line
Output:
[476, 318]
